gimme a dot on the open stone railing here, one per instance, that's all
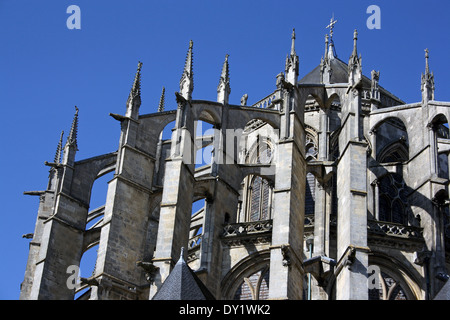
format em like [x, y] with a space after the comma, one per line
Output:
[268, 102]
[247, 228]
[394, 229]
[264, 227]
[194, 242]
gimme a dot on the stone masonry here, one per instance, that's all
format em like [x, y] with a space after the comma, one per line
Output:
[329, 187]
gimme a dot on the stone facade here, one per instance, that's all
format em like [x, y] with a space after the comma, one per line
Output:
[330, 187]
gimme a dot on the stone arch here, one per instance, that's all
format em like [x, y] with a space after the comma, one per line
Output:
[333, 98]
[244, 115]
[391, 139]
[208, 112]
[439, 119]
[152, 128]
[306, 94]
[396, 281]
[257, 137]
[252, 264]
[440, 127]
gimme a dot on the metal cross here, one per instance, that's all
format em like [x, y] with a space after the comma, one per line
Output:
[331, 26]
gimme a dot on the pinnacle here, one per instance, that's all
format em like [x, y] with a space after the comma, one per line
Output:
[72, 138]
[161, 100]
[59, 149]
[136, 89]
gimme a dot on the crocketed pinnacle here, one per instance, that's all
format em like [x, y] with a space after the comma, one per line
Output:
[427, 81]
[72, 138]
[161, 100]
[427, 67]
[225, 75]
[59, 149]
[354, 60]
[136, 89]
[187, 78]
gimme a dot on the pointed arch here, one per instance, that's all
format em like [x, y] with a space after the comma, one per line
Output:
[391, 140]
[255, 265]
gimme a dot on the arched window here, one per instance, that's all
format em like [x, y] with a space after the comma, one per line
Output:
[311, 151]
[260, 193]
[392, 199]
[254, 287]
[259, 190]
[389, 288]
[395, 152]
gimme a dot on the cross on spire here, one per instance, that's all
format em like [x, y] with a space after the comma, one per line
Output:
[331, 26]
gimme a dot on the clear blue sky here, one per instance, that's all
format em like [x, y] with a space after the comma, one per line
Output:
[46, 69]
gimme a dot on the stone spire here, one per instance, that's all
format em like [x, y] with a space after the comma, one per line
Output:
[224, 89]
[71, 146]
[72, 138]
[325, 65]
[59, 149]
[427, 83]
[134, 98]
[293, 43]
[161, 100]
[326, 47]
[187, 78]
[354, 64]
[292, 62]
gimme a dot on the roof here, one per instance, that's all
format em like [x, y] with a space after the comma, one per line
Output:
[339, 74]
[183, 284]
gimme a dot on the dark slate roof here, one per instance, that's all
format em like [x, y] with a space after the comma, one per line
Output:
[339, 74]
[183, 284]
[444, 293]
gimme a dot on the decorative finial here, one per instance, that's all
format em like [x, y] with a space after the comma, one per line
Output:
[182, 253]
[427, 69]
[293, 42]
[355, 38]
[161, 100]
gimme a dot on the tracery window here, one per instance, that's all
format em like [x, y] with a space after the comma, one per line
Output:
[254, 287]
[311, 151]
[392, 199]
[395, 152]
[259, 190]
[259, 199]
[389, 289]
